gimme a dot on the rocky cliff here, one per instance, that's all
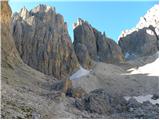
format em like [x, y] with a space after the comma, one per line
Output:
[43, 42]
[90, 44]
[143, 39]
[10, 56]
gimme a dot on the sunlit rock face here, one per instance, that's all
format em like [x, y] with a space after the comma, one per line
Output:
[95, 45]
[143, 39]
[43, 42]
[10, 56]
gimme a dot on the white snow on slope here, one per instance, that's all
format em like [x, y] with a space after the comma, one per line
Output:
[81, 72]
[142, 99]
[152, 69]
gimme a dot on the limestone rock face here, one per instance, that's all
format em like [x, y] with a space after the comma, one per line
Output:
[83, 56]
[143, 39]
[139, 43]
[42, 39]
[10, 56]
[94, 45]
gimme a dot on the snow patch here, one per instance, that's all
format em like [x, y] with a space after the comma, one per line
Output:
[127, 55]
[81, 72]
[142, 99]
[149, 32]
[152, 69]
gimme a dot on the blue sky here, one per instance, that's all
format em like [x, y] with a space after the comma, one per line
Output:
[109, 16]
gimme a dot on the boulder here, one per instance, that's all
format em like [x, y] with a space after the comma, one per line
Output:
[101, 102]
[76, 92]
[155, 96]
[43, 42]
[63, 86]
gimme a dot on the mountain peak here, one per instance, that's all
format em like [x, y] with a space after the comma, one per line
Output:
[41, 8]
[149, 19]
[80, 21]
[24, 13]
[142, 40]
[94, 45]
[45, 32]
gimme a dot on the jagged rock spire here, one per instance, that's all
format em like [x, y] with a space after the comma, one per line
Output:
[95, 45]
[43, 41]
[24, 13]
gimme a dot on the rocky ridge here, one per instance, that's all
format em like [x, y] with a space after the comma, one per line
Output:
[143, 39]
[150, 18]
[43, 42]
[91, 45]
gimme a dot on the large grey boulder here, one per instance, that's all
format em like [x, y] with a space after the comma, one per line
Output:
[143, 40]
[95, 44]
[101, 102]
[43, 42]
